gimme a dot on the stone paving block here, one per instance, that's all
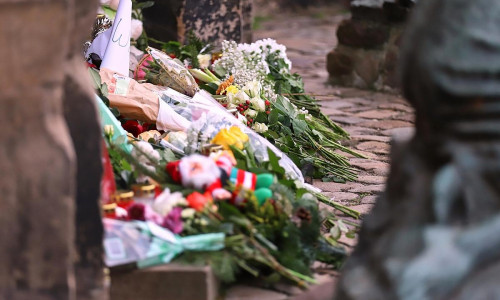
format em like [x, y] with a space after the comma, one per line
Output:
[376, 138]
[170, 281]
[385, 124]
[377, 114]
[369, 188]
[371, 179]
[344, 197]
[332, 112]
[358, 130]
[351, 143]
[336, 104]
[405, 117]
[378, 167]
[375, 147]
[397, 107]
[351, 120]
[369, 200]
[364, 209]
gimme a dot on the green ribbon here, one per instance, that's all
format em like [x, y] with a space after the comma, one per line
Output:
[165, 246]
[107, 118]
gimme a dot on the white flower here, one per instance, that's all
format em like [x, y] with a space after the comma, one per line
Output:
[204, 60]
[238, 98]
[109, 130]
[242, 118]
[188, 213]
[166, 201]
[258, 104]
[135, 29]
[251, 113]
[178, 139]
[253, 88]
[260, 127]
[146, 155]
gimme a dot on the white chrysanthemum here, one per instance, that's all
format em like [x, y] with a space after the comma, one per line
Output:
[259, 127]
[166, 201]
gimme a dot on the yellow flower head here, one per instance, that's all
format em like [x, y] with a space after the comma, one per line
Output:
[232, 89]
[230, 137]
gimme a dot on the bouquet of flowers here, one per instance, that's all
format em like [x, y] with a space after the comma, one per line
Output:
[271, 229]
[253, 81]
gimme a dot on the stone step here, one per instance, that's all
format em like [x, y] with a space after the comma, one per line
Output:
[181, 282]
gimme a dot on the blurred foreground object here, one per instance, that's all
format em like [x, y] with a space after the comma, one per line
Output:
[434, 233]
[51, 230]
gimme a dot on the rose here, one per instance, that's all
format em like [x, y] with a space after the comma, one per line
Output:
[251, 113]
[136, 29]
[204, 60]
[133, 127]
[260, 127]
[198, 201]
[258, 104]
[237, 98]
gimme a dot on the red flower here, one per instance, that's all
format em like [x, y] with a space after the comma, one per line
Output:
[137, 211]
[133, 127]
[198, 201]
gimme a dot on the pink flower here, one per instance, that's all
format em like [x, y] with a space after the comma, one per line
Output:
[140, 75]
[173, 221]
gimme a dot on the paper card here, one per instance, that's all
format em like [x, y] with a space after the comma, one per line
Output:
[117, 53]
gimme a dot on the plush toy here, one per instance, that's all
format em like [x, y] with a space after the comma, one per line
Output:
[206, 174]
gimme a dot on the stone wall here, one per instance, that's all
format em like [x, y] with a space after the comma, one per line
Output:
[368, 44]
[211, 20]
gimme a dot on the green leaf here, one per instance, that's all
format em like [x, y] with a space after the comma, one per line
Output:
[351, 234]
[168, 155]
[142, 5]
[95, 78]
[273, 117]
[274, 163]
[300, 126]
[272, 134]
[109, 12]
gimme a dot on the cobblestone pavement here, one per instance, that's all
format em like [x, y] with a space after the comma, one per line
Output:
[372, 119]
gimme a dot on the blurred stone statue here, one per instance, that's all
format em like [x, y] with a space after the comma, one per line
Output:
[434, 233]
[50, 163]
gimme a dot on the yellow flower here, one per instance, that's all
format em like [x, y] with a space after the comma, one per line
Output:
[237, 131]
[232, 137]
[232, 89]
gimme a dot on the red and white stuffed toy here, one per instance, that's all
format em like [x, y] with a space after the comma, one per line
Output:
[212, 174]
[199, 172]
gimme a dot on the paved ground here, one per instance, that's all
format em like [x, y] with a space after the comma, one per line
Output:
[371, 118]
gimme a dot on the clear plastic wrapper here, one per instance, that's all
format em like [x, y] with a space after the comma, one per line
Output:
[208, 117]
